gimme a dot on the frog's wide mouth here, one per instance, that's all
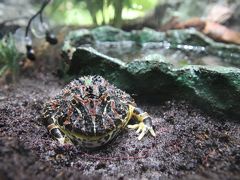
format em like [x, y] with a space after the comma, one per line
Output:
[91, 141]
[83, 137]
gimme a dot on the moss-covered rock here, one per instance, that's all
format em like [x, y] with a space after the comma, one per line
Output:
[214, 88]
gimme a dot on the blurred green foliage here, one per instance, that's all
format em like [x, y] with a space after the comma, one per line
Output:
[98, 12]
[9, 57]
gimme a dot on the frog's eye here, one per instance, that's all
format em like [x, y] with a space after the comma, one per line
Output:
[108, 98]
[74, 102]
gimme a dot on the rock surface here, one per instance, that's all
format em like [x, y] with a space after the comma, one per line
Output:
[216, 89]
[188, 40]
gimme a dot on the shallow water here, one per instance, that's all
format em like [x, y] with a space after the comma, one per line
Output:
[179, 55]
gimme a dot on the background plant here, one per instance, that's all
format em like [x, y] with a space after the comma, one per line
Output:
[9, 57]
[99, 12]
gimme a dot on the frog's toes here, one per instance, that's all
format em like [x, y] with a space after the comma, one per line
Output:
[142, 129]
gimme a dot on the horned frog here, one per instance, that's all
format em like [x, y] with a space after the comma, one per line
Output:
[90, 112]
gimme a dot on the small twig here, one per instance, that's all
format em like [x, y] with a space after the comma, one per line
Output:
[113, 158]
[119, 158]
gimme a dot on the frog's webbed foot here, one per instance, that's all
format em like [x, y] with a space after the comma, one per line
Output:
[145, 123]
[143, 128]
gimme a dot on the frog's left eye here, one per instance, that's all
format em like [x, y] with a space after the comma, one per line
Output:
[108, 98]
[74, 102]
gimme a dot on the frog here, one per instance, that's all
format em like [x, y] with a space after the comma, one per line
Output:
[90, 112]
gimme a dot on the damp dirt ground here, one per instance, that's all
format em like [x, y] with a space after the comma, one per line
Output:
[189, 144]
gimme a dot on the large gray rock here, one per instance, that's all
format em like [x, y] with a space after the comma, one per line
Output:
[16, 10]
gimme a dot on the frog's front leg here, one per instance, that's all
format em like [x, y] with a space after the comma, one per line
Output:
[145, 121]
[54, 130]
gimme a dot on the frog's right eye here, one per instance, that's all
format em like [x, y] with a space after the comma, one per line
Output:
[74, 102]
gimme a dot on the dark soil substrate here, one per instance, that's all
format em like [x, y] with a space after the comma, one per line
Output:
[189, 143]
